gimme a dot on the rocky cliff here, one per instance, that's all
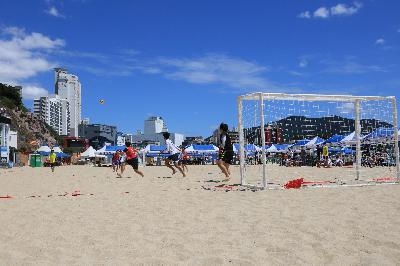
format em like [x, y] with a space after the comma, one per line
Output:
[32, 131]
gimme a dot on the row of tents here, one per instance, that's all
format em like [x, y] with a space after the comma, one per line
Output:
[45, 151]
[199, 150]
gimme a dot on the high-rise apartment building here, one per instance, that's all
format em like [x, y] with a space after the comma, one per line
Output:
[55, 112]
[68, 87]
[154, 125]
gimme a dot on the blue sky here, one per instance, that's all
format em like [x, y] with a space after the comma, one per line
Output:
[187, 61]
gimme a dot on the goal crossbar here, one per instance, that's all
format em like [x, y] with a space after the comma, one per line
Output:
[312, 97]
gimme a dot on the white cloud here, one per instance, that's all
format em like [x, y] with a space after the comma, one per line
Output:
[303, 63]
[149, 70]
[380, 41]
[23, 56]
[296, 73]
[14, 31]
[53, 11]
[321, 12]
[350, 66]
[337, 10]
[305, 14]
[31, 92]
[215, 69]
[344, 10]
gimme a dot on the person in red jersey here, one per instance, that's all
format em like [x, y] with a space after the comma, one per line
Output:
[184, 160]
[115, 161]
[131, 159]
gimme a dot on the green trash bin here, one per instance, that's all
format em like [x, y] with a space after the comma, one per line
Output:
[36, 160]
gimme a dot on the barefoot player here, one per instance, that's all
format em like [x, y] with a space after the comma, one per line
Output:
[52, 160]
[184, 160]
[174, 155]
[131, 159]
[225, 151]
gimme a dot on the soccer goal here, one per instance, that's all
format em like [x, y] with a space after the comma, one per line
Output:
[326, 140]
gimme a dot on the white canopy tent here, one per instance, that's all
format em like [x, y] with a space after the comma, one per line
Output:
[44, 148]
[57, 149]
[202, 149]
[314, 142]
[102, 150]
[273, 148]
[89, 153]
[351, 138]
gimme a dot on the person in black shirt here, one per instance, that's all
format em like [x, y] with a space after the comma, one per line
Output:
[225, 151]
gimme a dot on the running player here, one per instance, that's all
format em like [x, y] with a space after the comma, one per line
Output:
[184, 160]
[115, 161]
[131, 159]
[225, 151]
[174, 155]
[122, 158]
[52, 160]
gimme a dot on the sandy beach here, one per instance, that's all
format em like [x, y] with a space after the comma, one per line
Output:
[169, 220]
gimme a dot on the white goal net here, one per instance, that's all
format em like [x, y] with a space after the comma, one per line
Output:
[321, 139]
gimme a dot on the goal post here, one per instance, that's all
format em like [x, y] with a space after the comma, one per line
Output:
[396, 136]
[269, 120]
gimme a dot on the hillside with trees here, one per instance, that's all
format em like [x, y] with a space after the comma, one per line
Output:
[31, 130]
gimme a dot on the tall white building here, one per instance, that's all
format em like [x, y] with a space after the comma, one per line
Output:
[120, 139]
[4, 138]
[154, 125]
[68, 87]
[55, 112]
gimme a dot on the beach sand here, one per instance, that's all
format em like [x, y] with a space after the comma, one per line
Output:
[174, 221]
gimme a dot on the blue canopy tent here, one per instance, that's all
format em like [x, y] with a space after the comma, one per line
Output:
[59, 154]
[334, 149]
[301, 142]
[63, 155]
[282, 147]
[334, 139]
[380, 134]
[109, 150]
[277, 147]
[351, 138]
[248, 148]
[154, 149]
[314, 142]
[113, 149]
[161, 155]
[347, 150]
